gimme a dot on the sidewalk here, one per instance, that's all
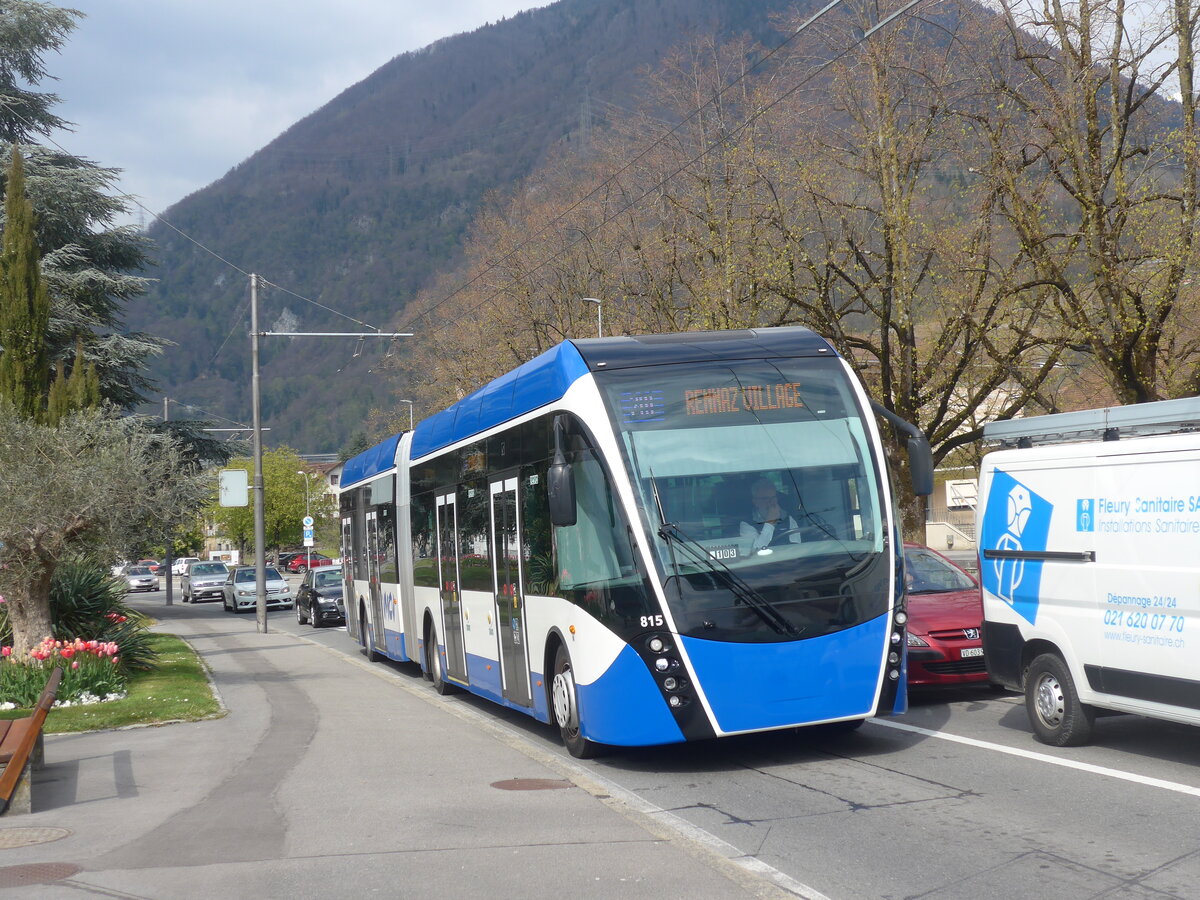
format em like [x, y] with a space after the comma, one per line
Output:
[327, 780]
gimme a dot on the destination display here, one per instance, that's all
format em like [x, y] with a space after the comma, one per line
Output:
[652, 405]
[743, 398]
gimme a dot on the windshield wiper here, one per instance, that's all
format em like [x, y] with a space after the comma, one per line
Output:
[672, 533]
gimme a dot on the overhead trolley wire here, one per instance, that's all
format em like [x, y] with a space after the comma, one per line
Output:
[134, 200]
[750, 120]
[638, 158]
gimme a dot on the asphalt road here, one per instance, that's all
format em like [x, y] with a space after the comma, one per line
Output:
[955, 799]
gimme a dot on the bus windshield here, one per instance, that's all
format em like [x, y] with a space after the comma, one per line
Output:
[762, 494]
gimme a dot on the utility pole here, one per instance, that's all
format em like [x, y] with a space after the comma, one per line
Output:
[167, 561]
[307, 516]
[260, 528]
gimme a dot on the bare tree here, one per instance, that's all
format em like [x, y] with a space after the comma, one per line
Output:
[895, 250]
[1097, 166]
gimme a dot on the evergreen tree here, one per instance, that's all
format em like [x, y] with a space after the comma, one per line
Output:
[28, 31]
[88, 265]
[79, 391]
[24, 304]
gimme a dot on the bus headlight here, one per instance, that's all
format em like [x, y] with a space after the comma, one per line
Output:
[901, 617]
[894, 658]
[662, 664]
[656, 645]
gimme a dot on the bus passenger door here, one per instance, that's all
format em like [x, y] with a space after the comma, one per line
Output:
[509, 592]
[448, 580]
[376, 598]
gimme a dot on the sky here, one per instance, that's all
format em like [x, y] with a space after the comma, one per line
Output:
[177, 92]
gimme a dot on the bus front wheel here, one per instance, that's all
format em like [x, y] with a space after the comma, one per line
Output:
[565, 702]
[1057, 716]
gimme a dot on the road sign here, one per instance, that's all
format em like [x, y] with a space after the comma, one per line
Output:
[232, 487]
[308, 521]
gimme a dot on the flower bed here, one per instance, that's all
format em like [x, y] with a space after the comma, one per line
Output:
[91, 673]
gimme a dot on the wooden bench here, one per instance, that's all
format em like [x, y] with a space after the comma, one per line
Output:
[21, 750]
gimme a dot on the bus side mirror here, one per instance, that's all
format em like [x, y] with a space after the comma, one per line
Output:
[920, 465]
[920, 457]
[560, 482]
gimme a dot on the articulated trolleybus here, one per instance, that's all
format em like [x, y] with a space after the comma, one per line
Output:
[643, 540]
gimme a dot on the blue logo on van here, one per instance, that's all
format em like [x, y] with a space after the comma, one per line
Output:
[1015, 519]
[1085, 515]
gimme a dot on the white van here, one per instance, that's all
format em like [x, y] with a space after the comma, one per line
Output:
[1089, 544]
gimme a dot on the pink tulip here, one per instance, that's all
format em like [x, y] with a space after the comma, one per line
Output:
[74, 665]
[5, 651]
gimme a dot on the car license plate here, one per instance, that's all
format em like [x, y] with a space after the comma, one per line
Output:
[971, 651]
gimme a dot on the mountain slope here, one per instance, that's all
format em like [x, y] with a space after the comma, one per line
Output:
[360, 203]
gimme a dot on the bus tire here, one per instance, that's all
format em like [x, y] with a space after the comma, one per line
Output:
[433, 663]
[564, 702]
[1057, 716]
[365, 636]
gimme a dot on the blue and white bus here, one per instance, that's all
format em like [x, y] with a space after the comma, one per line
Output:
[584, 540]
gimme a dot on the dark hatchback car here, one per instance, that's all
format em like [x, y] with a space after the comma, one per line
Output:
[945, 615]
[319, 598]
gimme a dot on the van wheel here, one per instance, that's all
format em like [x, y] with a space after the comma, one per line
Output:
[565, 702]
[1057, 716]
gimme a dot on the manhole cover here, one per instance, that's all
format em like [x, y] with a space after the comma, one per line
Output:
[531, 784]
[11, 838]
[36, 873]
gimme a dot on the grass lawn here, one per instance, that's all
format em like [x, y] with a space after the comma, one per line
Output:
[177, 689]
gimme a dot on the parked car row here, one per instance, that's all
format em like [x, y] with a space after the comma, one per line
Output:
[944, 605]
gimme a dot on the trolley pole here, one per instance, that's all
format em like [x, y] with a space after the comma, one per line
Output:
[260, 528]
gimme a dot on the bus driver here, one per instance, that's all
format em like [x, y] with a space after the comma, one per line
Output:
[768, 524]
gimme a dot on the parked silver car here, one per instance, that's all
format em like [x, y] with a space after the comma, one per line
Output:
[238, 591]
[204, 581]
[140, 578]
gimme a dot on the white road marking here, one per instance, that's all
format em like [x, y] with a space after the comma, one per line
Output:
[1046, 758]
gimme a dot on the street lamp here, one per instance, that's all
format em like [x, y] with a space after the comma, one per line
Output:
[307, 513]
[599, 314]
[410, 412]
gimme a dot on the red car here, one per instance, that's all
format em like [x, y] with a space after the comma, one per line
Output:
[945, 613]
[153, 565]
[302, 563]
